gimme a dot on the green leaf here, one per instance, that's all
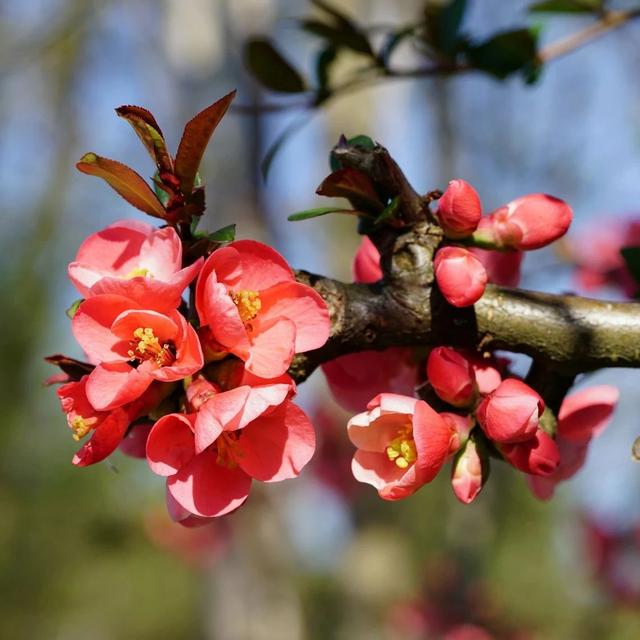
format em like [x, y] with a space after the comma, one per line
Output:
[365, 142]
[631, 256]
[344, 31]
[388, 213]
[566, 6]
[195, 138]
[224, 234]
[505, 53]
[72, 310]
[160, 189]
[269, 67]
[149, 132]
[393, 40]
[443, 24]
[352, 184]
[325, 59]
[320, 211]
[124, 181]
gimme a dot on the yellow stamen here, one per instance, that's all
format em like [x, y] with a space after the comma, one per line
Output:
[137, 272]
[147, 347]
[248, 303]
[81, 426]
[402, 449]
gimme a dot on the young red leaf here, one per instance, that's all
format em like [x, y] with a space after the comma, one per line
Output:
[75, 369]
[130, 185]
[352, 184]
[148, 130]
[195, 138]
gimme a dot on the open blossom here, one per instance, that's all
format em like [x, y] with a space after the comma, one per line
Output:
[459, 209]
[211, 457]
[452, 376]
[582, 416]
[247, 295]
[402, 444]
[460, 276]
[135, 260]
[107, 428]
[530, 222]
[132, 347]
[511, 413]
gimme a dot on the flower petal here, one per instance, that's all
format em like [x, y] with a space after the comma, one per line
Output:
[105, 439]
[112, 384]
[272, 350]
[170, 444]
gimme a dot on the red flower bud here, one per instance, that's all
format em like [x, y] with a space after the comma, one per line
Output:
[459, 210]
[467, 473]
[502, 267]
[530, 222]
[538, 456]
[451, 376]
[460, 276]
[511, 413]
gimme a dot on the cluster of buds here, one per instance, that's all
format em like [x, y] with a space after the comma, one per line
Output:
[497, 240]
[201, 391]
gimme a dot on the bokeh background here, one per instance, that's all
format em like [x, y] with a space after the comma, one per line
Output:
[90, 552]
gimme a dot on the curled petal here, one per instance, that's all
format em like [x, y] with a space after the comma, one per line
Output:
[170, 444]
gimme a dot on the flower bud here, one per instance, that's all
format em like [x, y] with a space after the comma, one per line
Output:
[459, 210]
[460, 276]
[538, 456]
[467, 473]
[451, 376]
[511, 413]
[502, 267]
[530, 222]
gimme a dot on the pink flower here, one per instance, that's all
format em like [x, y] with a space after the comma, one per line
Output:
[487, 372]
[460, 276]
[402, 444]
[135, 260]
[210, 458]
[511, 412]
[249, 298]
[107, 428]
[451, 376]
[134, 443]
[467, 476]
[538, 456]
[366, 264]
[132, 347]
[353, 379]
[582, 416]
[502, 267]
[459, 209]
[530, 222]
[460, 426]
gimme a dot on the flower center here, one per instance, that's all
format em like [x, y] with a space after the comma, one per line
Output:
[147, 347]
[248, 303]
[81, 426]
[402, 449]
[137, 272]
[226, 447]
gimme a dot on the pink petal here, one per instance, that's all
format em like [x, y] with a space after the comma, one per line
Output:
[161, 253]
[105, 439]
[366, 264]
[189, 357]
[304, 307]
[127, 322]
[433, 437]
[377, 470]
[278, 445]
[170, 445]
[91, 327]
[587, 413]
[393, 403]
[272, 350]
[112, 384]
[207, 427]
[134, 443]
[374, 432]
[208, 489]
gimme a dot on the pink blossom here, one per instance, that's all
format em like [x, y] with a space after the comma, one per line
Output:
[502, 267]
[451, 376]
[132, 347]
[366, 264]
[511, 412]
[402, 444]
[460, 276]
[249, 298]
[210, 458]
[135, 260]
[459, 209]
[582, 416]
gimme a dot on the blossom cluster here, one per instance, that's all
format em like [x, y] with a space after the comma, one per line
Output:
[201, 390]
[484, 412]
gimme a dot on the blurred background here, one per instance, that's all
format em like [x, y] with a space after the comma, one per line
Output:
[90, 552]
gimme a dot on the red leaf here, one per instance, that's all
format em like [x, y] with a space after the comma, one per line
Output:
[195, 138]
[125, 181]
[75, 369]
[148, 130]
[352, 184]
